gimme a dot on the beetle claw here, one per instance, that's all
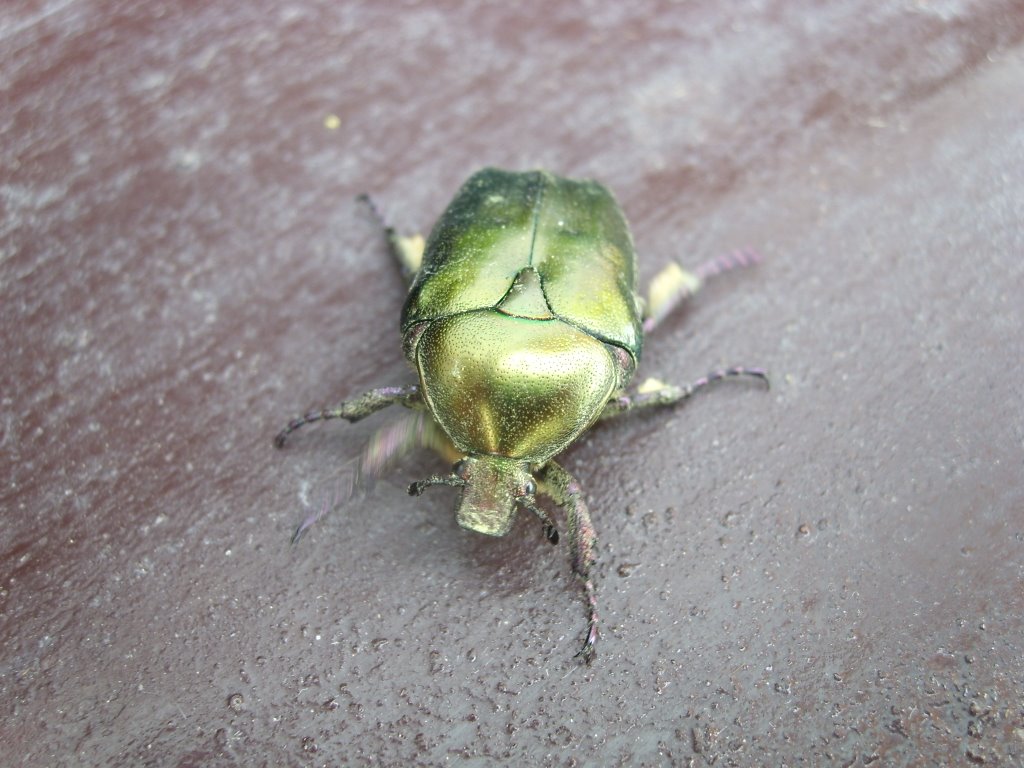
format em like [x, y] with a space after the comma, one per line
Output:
[281, 437]
[587, 652]
[551, 533]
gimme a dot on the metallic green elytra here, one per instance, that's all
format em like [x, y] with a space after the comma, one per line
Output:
[524, 326]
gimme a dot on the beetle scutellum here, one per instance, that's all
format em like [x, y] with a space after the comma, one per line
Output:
[524, 326]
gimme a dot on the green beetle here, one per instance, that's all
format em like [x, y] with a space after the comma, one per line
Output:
[525, 327]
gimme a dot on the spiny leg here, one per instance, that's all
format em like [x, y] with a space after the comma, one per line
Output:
[673, 285]
[356, 409]
[408, 251]
[653, 392]
[417, 488]
[565, 490]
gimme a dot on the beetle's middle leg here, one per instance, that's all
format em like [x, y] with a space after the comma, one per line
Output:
[565, 490]
[654, 392]
[385, 448]
[674, 285]
[407, 250]
[357, 408]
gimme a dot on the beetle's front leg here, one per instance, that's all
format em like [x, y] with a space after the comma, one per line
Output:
[382, 451]
[356, 409]
[565, 490]
[654, 392]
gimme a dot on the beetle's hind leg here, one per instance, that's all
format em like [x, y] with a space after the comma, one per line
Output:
[356, 409]
[654, 392]
[407, 250]
[565, 490]
[674, 285]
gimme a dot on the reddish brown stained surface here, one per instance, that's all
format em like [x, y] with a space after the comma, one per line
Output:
[829, 574]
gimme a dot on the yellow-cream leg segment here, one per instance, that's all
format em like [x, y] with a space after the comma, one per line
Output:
[674, 285]
[407, 250]
[654, 392]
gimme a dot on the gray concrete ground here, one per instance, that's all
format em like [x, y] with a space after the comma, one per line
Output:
[827, 574]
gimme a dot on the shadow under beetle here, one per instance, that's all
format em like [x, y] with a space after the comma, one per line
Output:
[525, 327]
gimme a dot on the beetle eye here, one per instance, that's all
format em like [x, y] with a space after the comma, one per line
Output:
[459, 468]
[529, 488]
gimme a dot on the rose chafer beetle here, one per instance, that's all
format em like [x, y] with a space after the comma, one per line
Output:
[525, 327]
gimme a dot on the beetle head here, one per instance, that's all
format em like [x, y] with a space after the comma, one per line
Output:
[492, 486]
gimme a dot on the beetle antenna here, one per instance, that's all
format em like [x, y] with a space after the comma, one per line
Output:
[417, 488]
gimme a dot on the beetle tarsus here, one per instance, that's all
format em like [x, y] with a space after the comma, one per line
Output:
[670, 394]
[587, 652]
[725, 373]
[550, 530]
[408, 251]
[301, 528]
[566, 491]
[551, 533]
[355, 409]
[294, 424]
[671, 287]
[378, 217]
[741, 258]
[417, 488]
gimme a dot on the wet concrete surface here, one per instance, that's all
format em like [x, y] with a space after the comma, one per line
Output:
[831, 573]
